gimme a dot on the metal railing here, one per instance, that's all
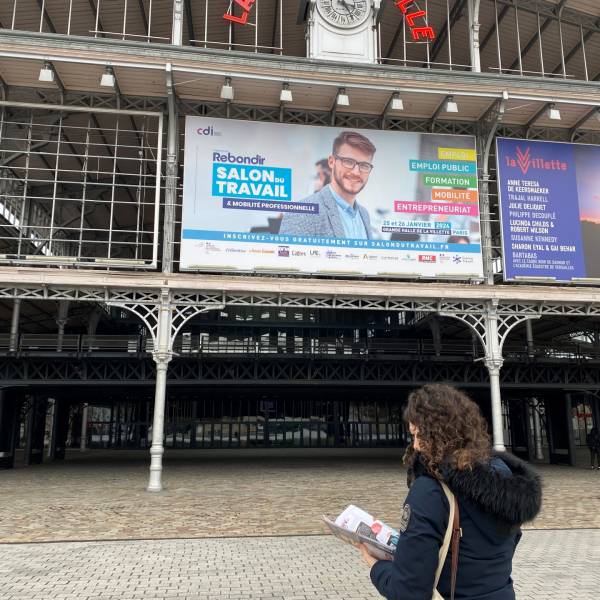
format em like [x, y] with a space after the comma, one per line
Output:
[247, 432]
[544, 38]
[190, 345]
[110, 343]
[203, 344]
[85, 344]
[49, 343]
[146, 20]
[4, 342]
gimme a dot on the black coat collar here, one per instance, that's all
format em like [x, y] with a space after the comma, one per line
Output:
[511, 498]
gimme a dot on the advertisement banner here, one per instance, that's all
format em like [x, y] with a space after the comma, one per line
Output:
[549, 195]
[302, 199]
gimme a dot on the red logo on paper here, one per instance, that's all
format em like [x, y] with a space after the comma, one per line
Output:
[427, 258]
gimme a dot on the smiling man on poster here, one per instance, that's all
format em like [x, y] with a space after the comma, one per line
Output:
[340, 215]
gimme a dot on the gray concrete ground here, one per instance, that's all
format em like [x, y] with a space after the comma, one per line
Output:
[552, 565]
[101, 495]
[217, 512]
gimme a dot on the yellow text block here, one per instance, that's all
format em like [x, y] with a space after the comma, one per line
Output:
[457, 154]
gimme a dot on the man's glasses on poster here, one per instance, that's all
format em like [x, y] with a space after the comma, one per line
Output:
[350, 163]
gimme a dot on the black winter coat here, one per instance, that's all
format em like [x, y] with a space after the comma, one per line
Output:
[593, 440]
[494, 500]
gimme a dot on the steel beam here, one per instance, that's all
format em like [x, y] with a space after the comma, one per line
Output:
[144, 16]
[189, 17]
[582, 122]
[578, 46]
[456, 13]
[537, 115]
[96, 16]
[568, 16]
[46, 16]
[276, 13]
[67, 373]
[492, 29]
[300, 292]
[14, 326]
[295, 70]
[171, 176]
[548, 21]
[162, 357]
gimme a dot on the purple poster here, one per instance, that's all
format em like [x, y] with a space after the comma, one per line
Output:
[549, 197]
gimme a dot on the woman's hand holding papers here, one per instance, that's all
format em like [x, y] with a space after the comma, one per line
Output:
[366, 556]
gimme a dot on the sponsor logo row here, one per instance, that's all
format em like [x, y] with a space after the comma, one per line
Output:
[289, 252]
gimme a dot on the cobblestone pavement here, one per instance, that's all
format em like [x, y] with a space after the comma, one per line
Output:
[549, 565]
[101, 496]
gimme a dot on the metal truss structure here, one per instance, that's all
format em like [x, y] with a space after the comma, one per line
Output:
[94, 179]
[185, 302]
[79, 184]
[93, 371]
[517, 37]
[56, 221]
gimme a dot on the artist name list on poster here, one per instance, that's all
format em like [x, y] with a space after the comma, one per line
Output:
[532, 223]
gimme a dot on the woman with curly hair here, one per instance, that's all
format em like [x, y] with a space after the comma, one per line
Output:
[492, 494]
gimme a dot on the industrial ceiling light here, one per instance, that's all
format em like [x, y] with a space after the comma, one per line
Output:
[108, 78]
[553, 113]
[227, 89]
[397, 103]
[342, 98]
[286, 93]
[451, 105]
[46, 72]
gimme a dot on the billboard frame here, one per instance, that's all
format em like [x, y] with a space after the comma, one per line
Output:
[592, 281]
[357, 274]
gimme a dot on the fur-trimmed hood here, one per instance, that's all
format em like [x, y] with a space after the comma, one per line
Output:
[506, 488]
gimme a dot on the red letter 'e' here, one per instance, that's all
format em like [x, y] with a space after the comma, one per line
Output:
[423, 32]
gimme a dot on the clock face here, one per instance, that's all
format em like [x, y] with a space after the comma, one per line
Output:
[344, 13]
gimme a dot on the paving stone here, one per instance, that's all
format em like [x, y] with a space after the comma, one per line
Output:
[223, 499]
[101, 496]
[554, 565]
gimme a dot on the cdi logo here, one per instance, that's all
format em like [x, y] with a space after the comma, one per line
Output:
[210, 130]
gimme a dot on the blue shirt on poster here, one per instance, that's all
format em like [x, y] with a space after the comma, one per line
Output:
[354, 227]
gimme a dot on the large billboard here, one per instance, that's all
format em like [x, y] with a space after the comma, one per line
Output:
[549, 195]
[285, 198]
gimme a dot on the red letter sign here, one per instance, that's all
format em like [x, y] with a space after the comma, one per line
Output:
[417, 32]
[246, 6]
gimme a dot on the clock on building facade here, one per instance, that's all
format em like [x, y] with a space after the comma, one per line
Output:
[344, 13]
[342, 30]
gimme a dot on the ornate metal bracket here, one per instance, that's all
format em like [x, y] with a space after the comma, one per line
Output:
[492, 328]
[150, 315]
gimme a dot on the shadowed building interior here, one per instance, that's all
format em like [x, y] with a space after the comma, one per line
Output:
[99, 324]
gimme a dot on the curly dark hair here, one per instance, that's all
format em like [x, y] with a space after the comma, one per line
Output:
[452, 430]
